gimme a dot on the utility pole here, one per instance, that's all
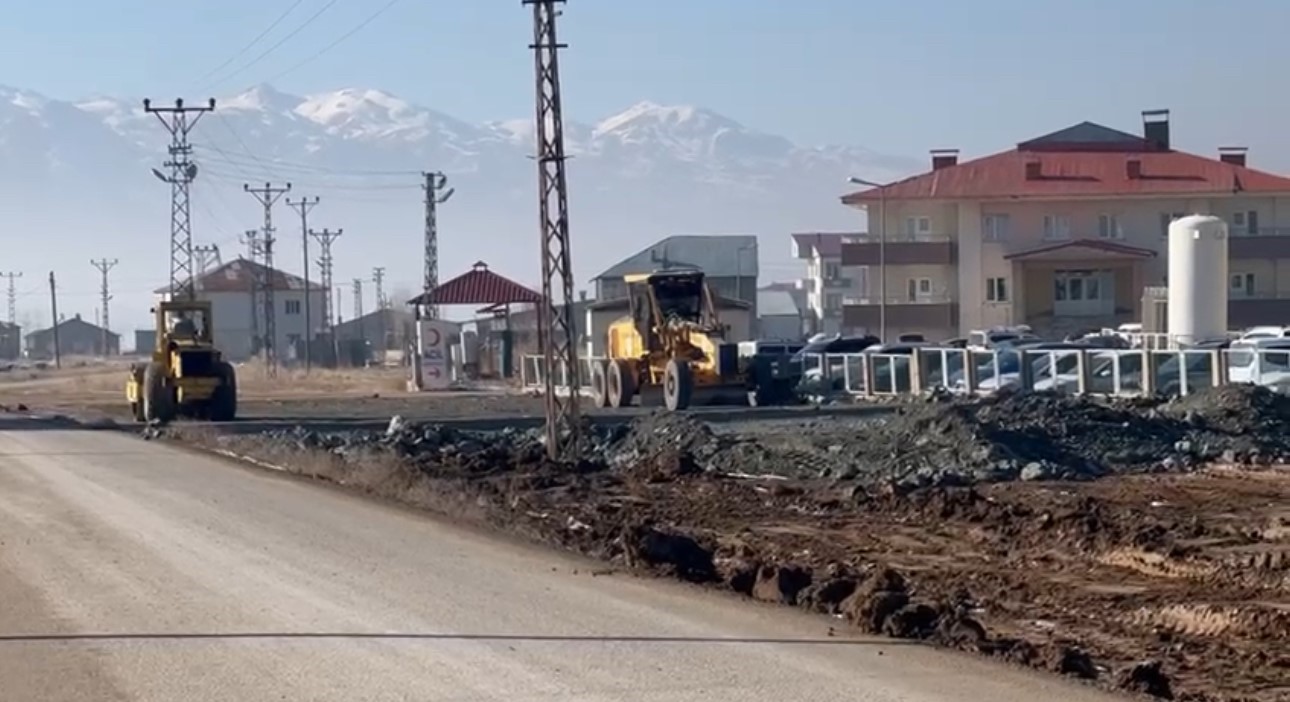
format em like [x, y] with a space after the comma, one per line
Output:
[53, 311]
[378, 279]
[303, 206]
[13, 295]
[435, 196]
[358, 312]
[267, 197]
[325, 239]
[178, 122]
[251, 238]
[206, 255]
[105, 293]
[555, 324]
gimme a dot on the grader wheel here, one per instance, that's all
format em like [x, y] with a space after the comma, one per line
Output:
[622, 384]
[599, 385]
[678, 384]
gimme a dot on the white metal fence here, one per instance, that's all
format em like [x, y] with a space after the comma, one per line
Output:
[1118, 372]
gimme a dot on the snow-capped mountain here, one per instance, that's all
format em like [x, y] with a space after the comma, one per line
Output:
[646, 172]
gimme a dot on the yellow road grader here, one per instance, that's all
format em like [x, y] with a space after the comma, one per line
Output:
[672, 343]
[186, 376]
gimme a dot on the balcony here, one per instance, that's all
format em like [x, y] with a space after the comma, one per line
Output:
[836, 283]
[1262, 243]
[902, 249]
[923, 312]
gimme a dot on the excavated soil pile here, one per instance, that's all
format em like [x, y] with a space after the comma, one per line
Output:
[972, 524]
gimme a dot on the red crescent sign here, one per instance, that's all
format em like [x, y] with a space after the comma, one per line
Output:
[436, 338]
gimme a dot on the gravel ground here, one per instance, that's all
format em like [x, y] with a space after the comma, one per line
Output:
[1093, 539]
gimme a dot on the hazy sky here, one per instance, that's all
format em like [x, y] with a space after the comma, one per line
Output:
[898, 77]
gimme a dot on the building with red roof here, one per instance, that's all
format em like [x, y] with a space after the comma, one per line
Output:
[1063, 232]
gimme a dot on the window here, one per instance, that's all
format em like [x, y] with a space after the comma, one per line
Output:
[293, 306]
[994, 227]
[1108, 227]
[831, 271]
[1165, 220]
[1242, 285]
[1246, 222]
[996, 289]
[832, 302]
[1057, 227]
[916, 226]
[919, 289]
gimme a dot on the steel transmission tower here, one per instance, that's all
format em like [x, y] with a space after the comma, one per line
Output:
[435, 195]
[13, 276]
[325, 239]
[105, 293]
[358, 298]
[378, 279]
[555, 324]
[267, 197]
[303, 206]
[179, 120]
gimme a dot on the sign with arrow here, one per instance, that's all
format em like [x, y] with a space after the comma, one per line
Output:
[433, 353]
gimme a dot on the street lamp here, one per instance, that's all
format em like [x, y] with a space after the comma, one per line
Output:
[882, 252]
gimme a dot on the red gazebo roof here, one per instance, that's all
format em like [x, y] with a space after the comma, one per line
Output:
[479, 286]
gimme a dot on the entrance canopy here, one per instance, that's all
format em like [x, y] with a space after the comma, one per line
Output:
[479, 286]
[1083, 249]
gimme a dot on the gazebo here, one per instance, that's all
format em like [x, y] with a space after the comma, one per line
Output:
[482, 288]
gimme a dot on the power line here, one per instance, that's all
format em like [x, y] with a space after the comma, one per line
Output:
[275, 46]
[273, 25]
[371, 18]
[234, 159]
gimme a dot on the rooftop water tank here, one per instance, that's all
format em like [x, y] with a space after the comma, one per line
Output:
[1197, 279]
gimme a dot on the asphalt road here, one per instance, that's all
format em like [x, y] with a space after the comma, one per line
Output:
[135, 571]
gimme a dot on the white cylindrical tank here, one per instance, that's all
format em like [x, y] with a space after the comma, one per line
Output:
[1197, 279]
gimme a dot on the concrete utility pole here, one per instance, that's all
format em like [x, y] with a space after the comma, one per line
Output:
[358, 310]
[267, 197]
[105, 293]
[435, 196]
[555, 318]
[325, 239]
[251, 238]
[205, 256]
[303, 206]
[13, 295]
[179, 120]
[53, 312]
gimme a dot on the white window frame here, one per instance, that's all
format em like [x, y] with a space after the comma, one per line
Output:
[918, 225]
[1242, 285]
[832, 271]
[994, 227]
[996, 289]
[1057, 227]
[1108, 227]
[1238, 219]
[292, 307]
[918, 289]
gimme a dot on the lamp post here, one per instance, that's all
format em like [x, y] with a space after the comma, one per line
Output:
[882, 252]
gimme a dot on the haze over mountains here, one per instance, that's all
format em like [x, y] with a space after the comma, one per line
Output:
[75, 183]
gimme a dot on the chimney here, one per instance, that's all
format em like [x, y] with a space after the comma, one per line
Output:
[944, 158]
[1234, 155]
[1133, 168]
[1155, 128]
[1033, 170]
[582, 296]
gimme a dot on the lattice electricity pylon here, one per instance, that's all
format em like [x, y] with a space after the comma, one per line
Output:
[267, 196]
[555, 324]
[435, 195]
[325, 264]
[178, 122]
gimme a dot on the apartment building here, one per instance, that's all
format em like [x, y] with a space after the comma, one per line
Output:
[1062, 233]
[826, 286]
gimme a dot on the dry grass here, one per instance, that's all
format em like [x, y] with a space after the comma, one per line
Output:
[253, 380]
